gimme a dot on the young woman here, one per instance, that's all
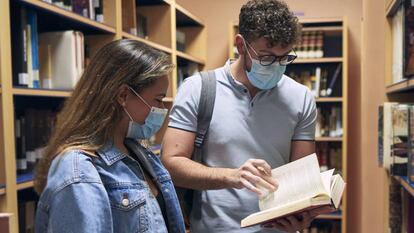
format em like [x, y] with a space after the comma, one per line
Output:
[89, 180]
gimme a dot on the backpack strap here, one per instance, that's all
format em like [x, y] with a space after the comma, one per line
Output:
[205, 110]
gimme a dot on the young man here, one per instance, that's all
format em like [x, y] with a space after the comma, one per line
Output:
[262, 119]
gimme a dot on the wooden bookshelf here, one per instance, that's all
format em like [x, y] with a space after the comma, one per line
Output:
[186, 18]
[392, 7]
[41, 92]
[164, 18]
[401, 92]
[400, 87]
[168, 99]
[25, 185]
[329, 139]
[325, 29]
[329, 100]
[147, 42]
[69, 15]
[319, 60]
[330, 216]
[188, 57]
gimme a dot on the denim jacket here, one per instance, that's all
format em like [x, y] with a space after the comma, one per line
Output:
[107, 193]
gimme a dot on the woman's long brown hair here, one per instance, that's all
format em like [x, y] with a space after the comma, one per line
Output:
[88, 118]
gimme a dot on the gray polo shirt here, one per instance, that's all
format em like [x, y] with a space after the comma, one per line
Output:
[242, 128]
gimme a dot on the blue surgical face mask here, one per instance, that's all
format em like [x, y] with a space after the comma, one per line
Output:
[153, 122]
[264, 77]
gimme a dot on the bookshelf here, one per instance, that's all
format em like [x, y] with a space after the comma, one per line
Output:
[400, 90]
[122, 19]
[334, 30]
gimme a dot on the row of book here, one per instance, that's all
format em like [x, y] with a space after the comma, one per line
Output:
[141, 29]
[403, 42]
[92, 9]
[329, 122]
[33, 128]
[180, 40]
[318, 80]
[329, 156]
[49, 60]
[310, 45]
[401, 209]
[396, 139]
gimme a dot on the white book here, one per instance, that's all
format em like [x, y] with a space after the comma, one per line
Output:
[301, 187]
[65, 63]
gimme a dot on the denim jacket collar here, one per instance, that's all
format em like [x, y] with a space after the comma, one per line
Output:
[110, 154]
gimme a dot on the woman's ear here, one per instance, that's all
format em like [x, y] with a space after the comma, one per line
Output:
[122, 95]
[240, 44]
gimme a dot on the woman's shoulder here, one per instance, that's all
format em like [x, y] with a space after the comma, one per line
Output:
[72, 166]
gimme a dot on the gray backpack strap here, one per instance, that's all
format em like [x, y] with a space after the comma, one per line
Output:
[205, 110]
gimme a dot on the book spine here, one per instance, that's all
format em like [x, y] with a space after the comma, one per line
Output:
[29, 56]
[410, 167]
[32, 20]
[99, 14]
[19, 49]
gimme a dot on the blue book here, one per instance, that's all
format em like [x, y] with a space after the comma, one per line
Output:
[32, 21]
[24, 178]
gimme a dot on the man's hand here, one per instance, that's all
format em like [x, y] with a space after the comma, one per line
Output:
[299, 221]
[254, 173]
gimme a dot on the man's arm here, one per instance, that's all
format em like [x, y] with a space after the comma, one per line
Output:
[178, 147]
[299, 149]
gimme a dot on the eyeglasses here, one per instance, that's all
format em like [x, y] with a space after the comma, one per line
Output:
[267, 60]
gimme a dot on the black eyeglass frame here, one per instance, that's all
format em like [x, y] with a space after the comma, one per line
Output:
[267, 60]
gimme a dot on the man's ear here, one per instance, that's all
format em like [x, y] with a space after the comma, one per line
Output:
[122, 95]
[240, 44]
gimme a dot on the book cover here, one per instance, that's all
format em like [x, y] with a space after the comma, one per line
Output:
[410, 168]
[19, 47]
[34, 43]
[296, 194]
[398, 45]
[409, 38]
[65, 62]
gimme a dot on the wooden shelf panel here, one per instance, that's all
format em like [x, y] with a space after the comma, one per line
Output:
[329, 99]
[69, 15]
[329, 139]
[41, 92]
[152, 2]
[168, 99]
[400, 87]
[190, 58]
[25, 185]
[404, 182]
[335, 216]
[320, 20]
[147, 42]
[318, 60]
[24, 181]
[185, 18]
[325, 29]
[392, 7]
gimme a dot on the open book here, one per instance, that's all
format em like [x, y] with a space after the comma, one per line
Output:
[301, 187]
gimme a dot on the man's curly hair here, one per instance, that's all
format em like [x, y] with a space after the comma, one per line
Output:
[270, 19]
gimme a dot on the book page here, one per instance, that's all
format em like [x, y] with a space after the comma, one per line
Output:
[327, 180]
[297, 180]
